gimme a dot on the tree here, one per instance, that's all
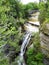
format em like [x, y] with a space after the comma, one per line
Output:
[44, 11]
[9, 25]
[30, 7]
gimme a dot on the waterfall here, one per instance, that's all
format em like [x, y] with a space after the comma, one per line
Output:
[30, 27]
[25, 42]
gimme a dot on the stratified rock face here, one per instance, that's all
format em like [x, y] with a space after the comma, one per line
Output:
[44, 39]
[46, 28]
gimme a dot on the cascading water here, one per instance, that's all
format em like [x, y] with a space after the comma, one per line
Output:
[29, 30]
[26, 40]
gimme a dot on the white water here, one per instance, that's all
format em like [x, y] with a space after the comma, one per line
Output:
[23, 48]
[29, 30]
[25, 42]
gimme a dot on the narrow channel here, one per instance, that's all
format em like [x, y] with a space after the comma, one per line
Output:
[30, 29]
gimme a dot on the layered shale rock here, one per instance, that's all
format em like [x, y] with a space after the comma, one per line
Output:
[44, 43]
[44, 39]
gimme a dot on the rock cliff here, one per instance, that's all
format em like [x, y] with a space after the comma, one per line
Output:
[44, 40]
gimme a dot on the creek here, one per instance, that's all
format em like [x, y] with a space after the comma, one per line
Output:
[30, 27]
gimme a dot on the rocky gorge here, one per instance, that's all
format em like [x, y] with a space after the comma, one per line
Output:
[31, 27]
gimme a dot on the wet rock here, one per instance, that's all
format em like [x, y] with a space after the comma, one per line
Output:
[46, 61]
[10, 52]
[12, 56]
[20, 42]
[6, 49]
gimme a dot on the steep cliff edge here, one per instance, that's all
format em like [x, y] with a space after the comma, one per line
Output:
[44, 38]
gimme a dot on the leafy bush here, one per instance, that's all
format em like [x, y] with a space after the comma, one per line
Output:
[4, 62]
[29, 7]
[34, 57]
[44, 11]
[9, 27]
[33, 54]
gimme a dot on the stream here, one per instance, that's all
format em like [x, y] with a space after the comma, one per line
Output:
[25, 42]
[30, 27]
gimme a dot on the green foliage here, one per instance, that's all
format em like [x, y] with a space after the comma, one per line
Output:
[4, 62]
[42, 15]
[9, 26]
[9, 11]
[33, 55]
[32, 6]
[12, 14]
[29, 7]
[36, 40]
[39, 56]
[44, 11]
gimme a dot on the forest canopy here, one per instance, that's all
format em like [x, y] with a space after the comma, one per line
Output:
[13, 16]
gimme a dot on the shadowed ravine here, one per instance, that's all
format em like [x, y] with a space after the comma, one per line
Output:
[29, 30]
